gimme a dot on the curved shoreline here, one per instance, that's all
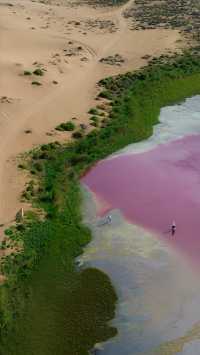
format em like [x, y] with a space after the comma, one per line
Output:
[56, 169]
[144, 263]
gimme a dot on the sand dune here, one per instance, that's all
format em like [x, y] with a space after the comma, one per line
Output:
[67, 42]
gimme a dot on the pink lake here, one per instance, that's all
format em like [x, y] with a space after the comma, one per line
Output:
[154, 188]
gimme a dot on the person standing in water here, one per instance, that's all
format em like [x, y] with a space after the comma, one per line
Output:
[173, 228]
[109, 219]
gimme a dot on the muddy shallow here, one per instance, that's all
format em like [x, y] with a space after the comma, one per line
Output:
[144, 187]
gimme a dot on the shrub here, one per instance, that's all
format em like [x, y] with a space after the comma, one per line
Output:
[68, 126]
[105, 94]
[22, 166]
[93, 111]
[38, 166]
[27, 72]
[94, 119]
[38, 72]
[77, 135]
[94, 124]
[37, 83]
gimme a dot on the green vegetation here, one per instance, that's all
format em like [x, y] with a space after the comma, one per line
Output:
[27, 72]
[48, 306]
[77, 134]
[93, 111]
[66, 126]
[95, 121]
[36, 83]
[106, 2]
[38, 72]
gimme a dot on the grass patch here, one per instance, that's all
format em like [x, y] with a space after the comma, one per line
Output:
[93, 111]
[38, 72]
[67, 126]
[36, 83]
[77, 135]
[27, 72]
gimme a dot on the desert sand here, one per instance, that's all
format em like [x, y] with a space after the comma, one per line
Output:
[66, 40]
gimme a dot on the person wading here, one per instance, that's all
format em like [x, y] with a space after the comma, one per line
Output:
[173, 228]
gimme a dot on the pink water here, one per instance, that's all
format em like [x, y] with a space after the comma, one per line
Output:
[154, 188]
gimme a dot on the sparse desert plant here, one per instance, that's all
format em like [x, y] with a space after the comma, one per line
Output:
[21, 166]
[27, 72]
[105, 94]
[93, 111]
[94, 119]
[94, 124]
[36, 83]
[66, 126]
[38, 166]
[38, 72]
[77, 135]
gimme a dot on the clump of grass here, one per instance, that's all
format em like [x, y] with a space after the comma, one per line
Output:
[93, 111]
[94, 124]
[36, 83]
[38, 72]
[66, 126]
[105, 94]
[77, 134]
[22, 166]
[95, 121]
[27, 72]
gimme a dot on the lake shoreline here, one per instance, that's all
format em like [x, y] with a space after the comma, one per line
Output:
[136, 102]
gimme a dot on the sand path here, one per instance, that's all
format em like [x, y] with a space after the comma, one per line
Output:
[34, 34]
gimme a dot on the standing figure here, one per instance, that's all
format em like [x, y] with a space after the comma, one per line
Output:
[109, 219]
[173, 228]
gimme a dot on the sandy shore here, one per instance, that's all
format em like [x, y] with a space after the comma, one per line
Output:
[68, 43]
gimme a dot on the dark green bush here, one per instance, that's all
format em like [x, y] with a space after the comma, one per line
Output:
[38, 72]
[77, 135]
[93, 111]
[67, 126]
[27, 72]
[36, 83]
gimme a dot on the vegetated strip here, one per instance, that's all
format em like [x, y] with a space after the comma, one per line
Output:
[48, 306]
[105, 2]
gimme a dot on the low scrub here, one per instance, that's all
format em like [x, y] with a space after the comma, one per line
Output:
[38, 72]
[66, 126]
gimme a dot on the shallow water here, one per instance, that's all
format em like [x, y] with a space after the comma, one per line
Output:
[144, 187]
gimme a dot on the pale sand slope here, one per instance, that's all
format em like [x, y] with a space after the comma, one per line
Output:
[33, 32]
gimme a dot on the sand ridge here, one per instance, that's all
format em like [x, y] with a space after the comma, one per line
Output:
[67, 42]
